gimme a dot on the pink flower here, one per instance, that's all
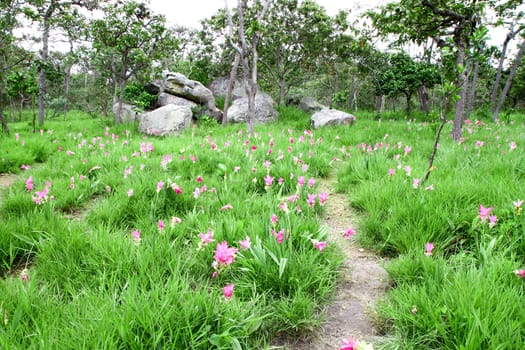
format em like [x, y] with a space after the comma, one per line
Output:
[268, 180]
[160, 186]
[349, 233]
[391, 172]
[408, 170]
[136, 236]
[245, 244]
[300, 181]
[196, 193]
[29, 184]
[484, 213]
[227, 207]
[278, 235]
[479, 144]
[176, 188]
[428, 249]
[311, 182]
[349, 344]
[224, 255]
[513, 146]
[520, 273]
[175, 220]
[199, 179]
[70, 153]
[284, 207]
[311, 200]
[24, 276]
[492, 220]
[319, 245]
[274, 219]
[206, 237]
[415, 183]
[25, 167]
[161, 225]
[430, 187]
[407, 150]
[130, 192]
[323, 197]
[228, 290]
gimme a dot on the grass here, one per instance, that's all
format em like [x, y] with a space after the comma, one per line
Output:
[91, 284]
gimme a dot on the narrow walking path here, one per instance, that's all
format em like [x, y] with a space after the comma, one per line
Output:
[363, 280]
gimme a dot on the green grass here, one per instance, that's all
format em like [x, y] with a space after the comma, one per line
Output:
[92, 286]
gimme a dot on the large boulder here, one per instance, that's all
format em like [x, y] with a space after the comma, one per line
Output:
[128, 113]
[264, 109]
[306, 103]
[168, 120]
[331, 117]
[179, 85]
[165, 99]
[219, 86]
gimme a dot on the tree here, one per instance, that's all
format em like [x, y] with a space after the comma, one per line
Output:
[22, 85]
[49, 13]
[449, 23]
[129, 40]
[243, 50]
[509, 9]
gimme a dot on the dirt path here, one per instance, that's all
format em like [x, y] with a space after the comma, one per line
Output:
[363, 280]
[6, 180]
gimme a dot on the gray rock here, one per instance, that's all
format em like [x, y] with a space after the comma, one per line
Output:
[168, 120]
[165, 99]
[264, 109]
[219, 86]
[331, 117]
[128, 113]
[179, 85]
[310, 105]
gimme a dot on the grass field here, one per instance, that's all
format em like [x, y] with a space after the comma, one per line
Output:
[211, 239]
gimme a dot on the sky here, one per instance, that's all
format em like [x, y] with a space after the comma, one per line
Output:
[188, 13]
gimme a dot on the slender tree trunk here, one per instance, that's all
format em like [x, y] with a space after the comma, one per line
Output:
[3, 121]
[44, 57]
[379, 103]
[508, 83]
[118, 118]
[68, 81]
[495, 86]
[462, 85]
[424, 100]
[282, 90]
[229, 89]
[472, 91]
[409, 109]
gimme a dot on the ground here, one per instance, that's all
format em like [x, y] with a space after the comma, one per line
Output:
[363, 280]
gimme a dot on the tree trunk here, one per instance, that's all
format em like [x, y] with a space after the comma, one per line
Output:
[424, 99]
[229, 89]
[68, 81]
[409, 110]
[462, 85]
[120, 101]
[3, 121]
[508, 83]
[472, 91]
[495, 86]
[282, 90]
[379, 103]
[43, 63]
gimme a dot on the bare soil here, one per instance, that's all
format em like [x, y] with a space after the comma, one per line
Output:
[6, 180]
[363, 281]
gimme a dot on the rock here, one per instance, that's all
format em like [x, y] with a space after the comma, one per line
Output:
[179, 85]
[264, 109]
[220, 85]
[306, 103]
[128, 113]
[331, 117]
[168, 120]
[165, 99]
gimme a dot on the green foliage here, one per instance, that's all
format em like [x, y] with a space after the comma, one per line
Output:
[137, 95]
